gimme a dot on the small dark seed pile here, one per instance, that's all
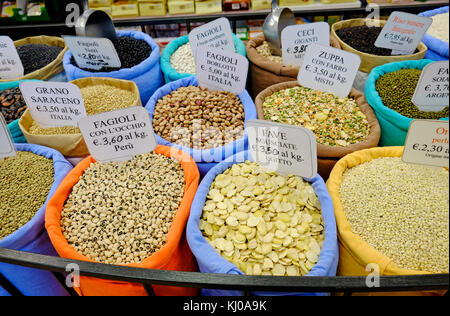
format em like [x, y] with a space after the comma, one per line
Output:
[12, 104]
[363, 38]
[396, 90]
[37, 56]
[131, 53]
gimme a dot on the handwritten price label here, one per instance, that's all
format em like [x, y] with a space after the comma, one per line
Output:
[10, 64]
[7, 148]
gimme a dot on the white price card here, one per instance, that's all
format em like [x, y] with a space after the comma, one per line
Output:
[53, 104]
[403, 32]
[93, 52]
[329, 69]
[118, 135]
[427, 143]
[215, 34]
[296, 38]
[7, 148]
[221, 70]
[10, 64]
[285, 149]
[431, 93]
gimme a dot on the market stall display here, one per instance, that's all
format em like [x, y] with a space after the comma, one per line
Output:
[378, 220]
[245, 220]
[99, 95]
[157, 183]
[341, 125]
[28, 182]
[394, 83]
[139, 55]
[437, 37]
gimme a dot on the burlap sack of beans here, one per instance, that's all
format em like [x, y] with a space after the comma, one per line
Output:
[52, 69]
[265, 73]
[328, 156]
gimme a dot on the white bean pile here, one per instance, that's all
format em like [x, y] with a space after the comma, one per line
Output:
[440, 27]
[182, 60]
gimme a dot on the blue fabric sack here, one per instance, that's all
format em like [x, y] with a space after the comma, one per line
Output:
[13, 127]
[147, 75]
[394, 126]
[170, 74]
[206, 159]
[210, 261]
[32, 237]
[437, 49]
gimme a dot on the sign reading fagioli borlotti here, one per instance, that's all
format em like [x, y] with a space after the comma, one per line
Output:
[221, 70]
[10, 64]
[282, 148]
[7, 148]
[118, 135]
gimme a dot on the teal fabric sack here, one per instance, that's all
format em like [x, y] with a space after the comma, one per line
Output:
[13, 127]
[394, 126]
[170, 74]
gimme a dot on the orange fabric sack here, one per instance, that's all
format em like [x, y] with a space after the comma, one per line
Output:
[175, 255]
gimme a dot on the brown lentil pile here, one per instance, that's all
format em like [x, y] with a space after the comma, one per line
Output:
[12, 104]
[264, 50]
[97, 99]
[264, 223]
[25, 182]
[401, 210]
[198, 118]
[396, 90]
[121, 213]
[335, 121]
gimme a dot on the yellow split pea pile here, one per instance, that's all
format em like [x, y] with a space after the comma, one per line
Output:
[264, 223]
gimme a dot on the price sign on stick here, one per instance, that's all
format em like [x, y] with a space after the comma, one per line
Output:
[221, 70]
[427, 143]
[403, 32]
[432, 90]
[10, 64]
[92, 52]
[296, 38]
[216, 34]
[7, 148]
[118, 135]
[283, 148]
[329, 69]
[53, 104]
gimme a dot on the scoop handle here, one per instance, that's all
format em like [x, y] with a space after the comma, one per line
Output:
[274, 5]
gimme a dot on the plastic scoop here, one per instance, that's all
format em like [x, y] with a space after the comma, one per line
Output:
[274, 25]
[95, 23]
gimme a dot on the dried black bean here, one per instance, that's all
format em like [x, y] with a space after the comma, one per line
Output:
[12, 104]
[131, 53]
[37, 56]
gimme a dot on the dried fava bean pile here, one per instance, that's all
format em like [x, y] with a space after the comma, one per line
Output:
[199, 118]
[37, 56]
[363, 38]
[264, 50]
[396, 90]
[12, 104]
[131, 53]
[335, 121]
[440, 27]
[25, 182]
[401, 210]
[182, 60]
[97, 99]
[121, 213]
[264, 223]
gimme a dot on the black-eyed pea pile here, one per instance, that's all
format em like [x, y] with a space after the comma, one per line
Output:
[264, 223]
[121, 213]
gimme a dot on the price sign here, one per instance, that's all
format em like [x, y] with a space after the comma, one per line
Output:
[216, 34]
[296, 38]
[92, 52]
[10, 64]
[6, 143]
[427, 143]
[432, 90]
[286, 149]
[329, 69]
[403, 32]
[118, 135]
[221, 70]
[53, 104]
